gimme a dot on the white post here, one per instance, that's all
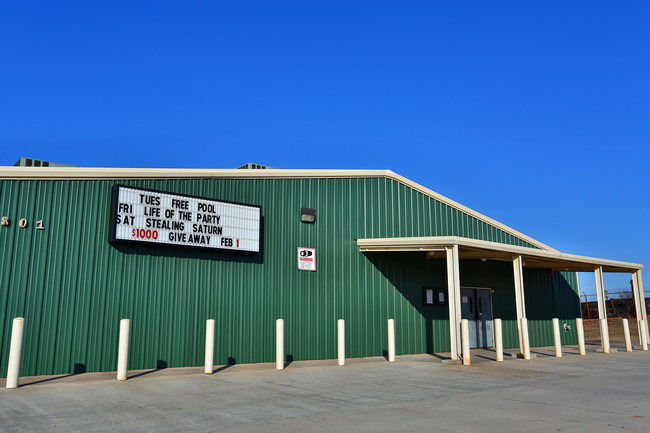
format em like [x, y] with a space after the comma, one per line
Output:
[464, 332]
[458, 302]
[498, 337]
[15, 353]
[453, 299]
[626, 333]
[638, 324]
[644, 311]
[556, 336]
[524, 334]
[123, 351]
[644, 335]
[520, 301]
[602, 309]
[639, 303]
[279, 344]
[341, 341]
[581, 337]
[209, 347]
[604, 332]
[391, 340]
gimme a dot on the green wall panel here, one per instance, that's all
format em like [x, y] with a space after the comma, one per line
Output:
[73, 287]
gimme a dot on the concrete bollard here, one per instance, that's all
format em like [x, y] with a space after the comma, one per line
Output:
[498, 338]
[15, 353]
[464, 336]
[525, 339]
[643, 335]
[580, 330]
[279, 344]
[604, 335]
[341, 341]
[626, 334]
[209, 347]
[557, 338]
[123, 351]
[391, 340]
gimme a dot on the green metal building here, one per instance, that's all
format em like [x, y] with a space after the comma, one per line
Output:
[383, 247]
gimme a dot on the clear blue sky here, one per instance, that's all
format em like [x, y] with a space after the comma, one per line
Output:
[537, 115]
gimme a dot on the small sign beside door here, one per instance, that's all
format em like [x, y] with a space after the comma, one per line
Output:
[434, 296]
[306, 259]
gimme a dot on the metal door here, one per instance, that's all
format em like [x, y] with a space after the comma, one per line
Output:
[468, 311]
[484, 318]
[477, 309]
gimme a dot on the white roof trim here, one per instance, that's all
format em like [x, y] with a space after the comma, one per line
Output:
[79, 173]
[439, 242]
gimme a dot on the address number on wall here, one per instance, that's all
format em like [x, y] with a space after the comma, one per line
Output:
[22, 223]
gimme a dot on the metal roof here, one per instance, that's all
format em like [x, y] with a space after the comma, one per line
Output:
[81, 173]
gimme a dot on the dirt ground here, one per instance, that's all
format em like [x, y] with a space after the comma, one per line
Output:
[615, 325]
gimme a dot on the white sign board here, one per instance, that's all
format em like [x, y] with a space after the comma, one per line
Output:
[307, 259]
[157, 217]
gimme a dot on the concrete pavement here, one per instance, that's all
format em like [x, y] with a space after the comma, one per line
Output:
[594, 393]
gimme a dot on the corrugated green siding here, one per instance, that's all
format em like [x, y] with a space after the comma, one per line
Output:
[73, 287]
[551, 296]
[547, 295]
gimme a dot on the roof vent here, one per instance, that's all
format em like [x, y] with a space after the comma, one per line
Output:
[31, 162]
[252, 166]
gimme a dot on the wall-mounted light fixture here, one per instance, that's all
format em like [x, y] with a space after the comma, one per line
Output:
[307, 215]
[430, 254]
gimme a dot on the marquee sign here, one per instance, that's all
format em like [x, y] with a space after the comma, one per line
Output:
[157, 217]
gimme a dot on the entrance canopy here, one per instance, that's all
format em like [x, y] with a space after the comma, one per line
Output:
[477, 249]
[453, 248]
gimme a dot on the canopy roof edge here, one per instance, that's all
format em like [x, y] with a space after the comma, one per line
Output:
[479, 249]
